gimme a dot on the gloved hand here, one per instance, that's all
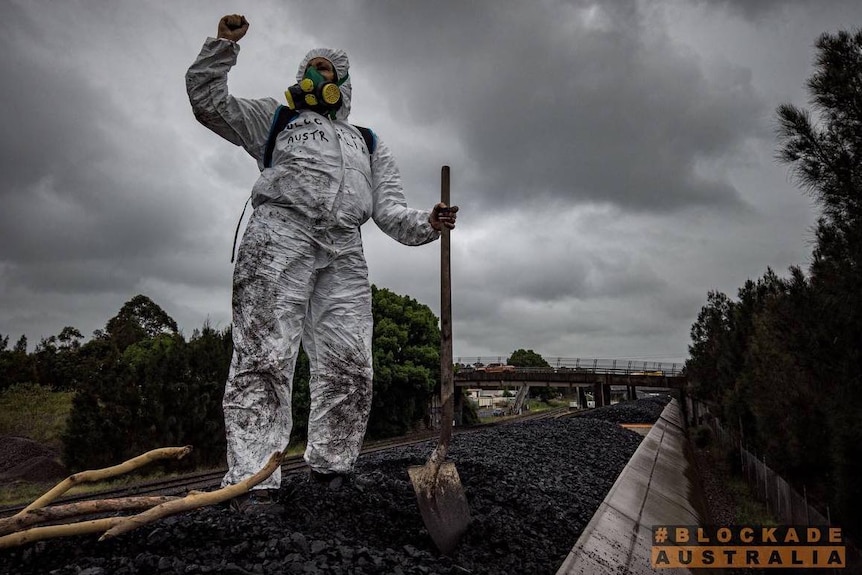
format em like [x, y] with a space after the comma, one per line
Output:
[443, 215]
[232, 27]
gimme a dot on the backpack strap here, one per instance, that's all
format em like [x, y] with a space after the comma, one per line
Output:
[283, 116]
[369, 137]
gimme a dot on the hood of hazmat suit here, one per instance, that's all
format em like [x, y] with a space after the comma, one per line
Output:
[339, 60]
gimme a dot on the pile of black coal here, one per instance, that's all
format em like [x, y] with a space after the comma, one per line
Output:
[532, 487]
[22, 459]
[646, 410]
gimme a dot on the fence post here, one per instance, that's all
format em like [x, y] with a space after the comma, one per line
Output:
[789, 501]
[778, 491]
[758, 467]
[755, 462]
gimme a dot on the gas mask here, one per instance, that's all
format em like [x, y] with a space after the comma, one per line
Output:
[315, 93]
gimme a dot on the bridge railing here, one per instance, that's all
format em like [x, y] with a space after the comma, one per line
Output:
[591, 365]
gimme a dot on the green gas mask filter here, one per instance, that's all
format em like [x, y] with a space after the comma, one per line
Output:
[314, 92]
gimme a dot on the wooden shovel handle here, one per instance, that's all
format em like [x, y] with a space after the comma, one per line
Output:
[446, 367]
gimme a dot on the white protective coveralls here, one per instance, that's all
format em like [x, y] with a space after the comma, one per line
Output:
[300, 273]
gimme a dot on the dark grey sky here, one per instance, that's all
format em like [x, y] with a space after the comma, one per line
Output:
[614, 160]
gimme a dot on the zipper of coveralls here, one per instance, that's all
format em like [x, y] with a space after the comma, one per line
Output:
[336, 202]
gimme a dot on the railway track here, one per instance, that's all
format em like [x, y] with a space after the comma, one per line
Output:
[208, 480]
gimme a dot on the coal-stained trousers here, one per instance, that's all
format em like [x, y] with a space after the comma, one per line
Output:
[294, 282]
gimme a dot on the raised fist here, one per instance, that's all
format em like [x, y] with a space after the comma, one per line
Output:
[232, 27]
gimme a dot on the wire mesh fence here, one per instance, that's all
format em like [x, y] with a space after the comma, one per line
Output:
[782, 500]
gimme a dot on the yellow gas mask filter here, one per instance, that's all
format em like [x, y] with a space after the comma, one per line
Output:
[315, 92]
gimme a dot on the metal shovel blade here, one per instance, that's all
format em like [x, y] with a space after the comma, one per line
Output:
[442, 503]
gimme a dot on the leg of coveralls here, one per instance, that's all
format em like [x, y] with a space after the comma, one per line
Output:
[337, 338]
[270, 294]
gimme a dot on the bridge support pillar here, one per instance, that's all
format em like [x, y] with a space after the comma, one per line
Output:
[582, 398]
[459, 406]
[602, 392]
[632, 393]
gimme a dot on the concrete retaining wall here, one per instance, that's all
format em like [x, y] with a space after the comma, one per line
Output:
[659, 485]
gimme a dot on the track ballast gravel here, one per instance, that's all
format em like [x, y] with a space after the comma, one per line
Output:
[532, 487]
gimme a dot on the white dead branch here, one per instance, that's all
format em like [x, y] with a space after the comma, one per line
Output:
[156, 507]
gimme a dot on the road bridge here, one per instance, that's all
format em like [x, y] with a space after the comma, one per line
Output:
[593, 365]
[579, 376]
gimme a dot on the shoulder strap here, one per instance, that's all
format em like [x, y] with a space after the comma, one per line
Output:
[283, 116]
[369, 137]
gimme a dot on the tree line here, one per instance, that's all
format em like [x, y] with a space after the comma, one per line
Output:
[140, 384]
[783, 361]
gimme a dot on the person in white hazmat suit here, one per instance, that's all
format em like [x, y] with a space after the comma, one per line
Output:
[300, 274]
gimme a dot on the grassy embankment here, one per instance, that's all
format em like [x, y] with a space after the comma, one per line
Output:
[37, 413]
[32, 411]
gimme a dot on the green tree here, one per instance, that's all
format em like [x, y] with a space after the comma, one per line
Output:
[782, 387]
[16, 366]
[406, 348]
[710, 366]
[209, 354]
[56, 360]
[527, 358]
[823, 146]
[138, 319]
[102, 427]
[157, 391]
[734, 357]
[21, 345]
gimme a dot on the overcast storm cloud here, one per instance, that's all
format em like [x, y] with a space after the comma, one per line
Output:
[614, 161]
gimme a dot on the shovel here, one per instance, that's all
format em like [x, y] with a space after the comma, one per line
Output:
[441, 498]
